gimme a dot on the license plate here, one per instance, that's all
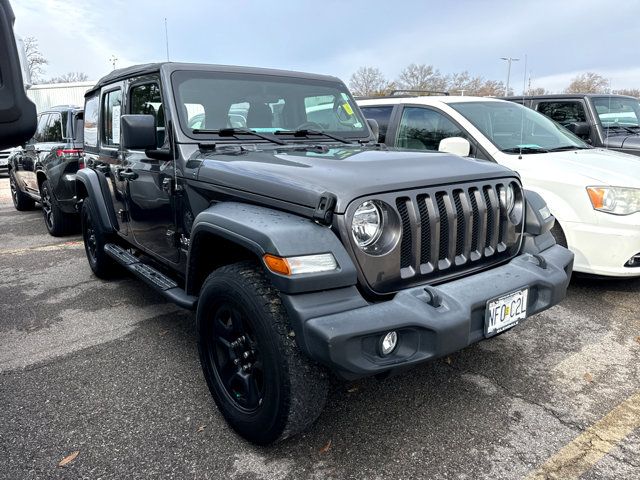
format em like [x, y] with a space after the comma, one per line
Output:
[505, 312]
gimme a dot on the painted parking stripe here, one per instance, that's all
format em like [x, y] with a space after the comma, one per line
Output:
[589, 447]
[43, 248]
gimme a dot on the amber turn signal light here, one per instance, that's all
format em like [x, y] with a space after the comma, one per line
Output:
[277, 264]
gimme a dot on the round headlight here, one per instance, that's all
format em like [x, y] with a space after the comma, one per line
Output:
[508, 197]
[366, 226]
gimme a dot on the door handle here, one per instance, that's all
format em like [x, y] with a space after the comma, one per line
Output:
[127, 174]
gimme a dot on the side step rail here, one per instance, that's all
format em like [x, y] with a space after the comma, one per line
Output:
[155, 279]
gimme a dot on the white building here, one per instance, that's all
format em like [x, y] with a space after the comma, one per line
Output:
[47, 95]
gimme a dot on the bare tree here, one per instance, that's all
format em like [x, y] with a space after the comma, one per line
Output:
[369, 81]
[422, 77]
[537, 91]
[492, 88]
[70, 77]
[632, 92]
[588, 82]
[464, 84]
[35, 59]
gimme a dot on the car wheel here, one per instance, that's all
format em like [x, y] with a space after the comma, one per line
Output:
[21, 200]
[94, 237]
[263, 385]
[57, 222]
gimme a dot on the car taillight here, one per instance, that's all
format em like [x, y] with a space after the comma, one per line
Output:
[69, 152]
[74, 153]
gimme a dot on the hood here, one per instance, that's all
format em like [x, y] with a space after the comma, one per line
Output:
[630, 142]
[304, 176]
[596, 165]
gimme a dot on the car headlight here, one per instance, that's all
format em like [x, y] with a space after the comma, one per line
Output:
[367, 224]
[511, 199]
[615, 200]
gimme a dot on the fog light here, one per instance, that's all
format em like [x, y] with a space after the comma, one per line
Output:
[633, 261]
[388, 343]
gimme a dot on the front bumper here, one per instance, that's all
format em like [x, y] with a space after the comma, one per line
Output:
[604, 248]
[346, 341]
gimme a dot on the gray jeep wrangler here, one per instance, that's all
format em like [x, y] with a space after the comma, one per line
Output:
[261, 200]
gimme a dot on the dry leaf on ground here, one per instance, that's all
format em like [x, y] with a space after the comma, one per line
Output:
[588, 377]
[200, 429]
[326, 448]
[69, 458]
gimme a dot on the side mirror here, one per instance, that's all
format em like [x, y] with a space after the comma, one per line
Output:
[456, 145]
[17, 112]
[138, 132]
[375, 128]
[579, 128]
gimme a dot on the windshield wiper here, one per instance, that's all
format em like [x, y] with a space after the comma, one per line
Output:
[305, 132]
[628, 129]
[567, 147]
[525, 150]
[232, 132]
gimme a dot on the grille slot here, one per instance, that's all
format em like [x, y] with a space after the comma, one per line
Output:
[425, 224]
[444, 230]
[491, 218]
[461, 235]
[406, 241]
[475, 212]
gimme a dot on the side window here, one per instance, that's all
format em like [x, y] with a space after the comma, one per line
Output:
[146, 100]
[423, 129]
[91, 122]
[382, 115]
[111, 109]
[53, 130]
[40, 130]
[563, 112]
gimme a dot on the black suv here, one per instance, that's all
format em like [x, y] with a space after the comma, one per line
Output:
[45, 169]
[260, 199]
[607, 121]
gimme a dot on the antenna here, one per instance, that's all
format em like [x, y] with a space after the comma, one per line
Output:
[166, 37]
[524, 86]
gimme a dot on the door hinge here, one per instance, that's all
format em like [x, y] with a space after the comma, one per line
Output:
[324, 210]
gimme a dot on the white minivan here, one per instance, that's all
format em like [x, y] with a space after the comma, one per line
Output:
[593, 193]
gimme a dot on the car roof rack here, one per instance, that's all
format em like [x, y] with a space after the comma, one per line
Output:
[417, 93]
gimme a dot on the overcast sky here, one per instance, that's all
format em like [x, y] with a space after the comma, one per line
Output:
[560, 38]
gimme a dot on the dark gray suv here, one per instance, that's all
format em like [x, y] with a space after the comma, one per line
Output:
[44, 170]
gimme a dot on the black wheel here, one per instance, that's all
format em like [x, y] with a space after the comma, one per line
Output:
[263, 385]
[558, 234]
[57, 222]
[95, 239]
[21, 200]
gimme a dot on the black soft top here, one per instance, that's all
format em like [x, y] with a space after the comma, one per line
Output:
[148, 68]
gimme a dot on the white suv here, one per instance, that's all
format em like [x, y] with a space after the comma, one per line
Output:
[593, 193]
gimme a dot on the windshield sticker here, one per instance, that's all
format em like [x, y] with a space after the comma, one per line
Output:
[528, 145]
[347, 108]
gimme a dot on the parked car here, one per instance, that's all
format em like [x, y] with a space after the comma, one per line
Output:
[4, 159]
[44, 171]
[593, 193]
[302, 250]
[607, 121]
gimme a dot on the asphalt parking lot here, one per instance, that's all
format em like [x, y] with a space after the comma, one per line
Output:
[110, 370]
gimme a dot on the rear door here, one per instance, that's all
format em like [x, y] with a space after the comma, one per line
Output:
[25, 166]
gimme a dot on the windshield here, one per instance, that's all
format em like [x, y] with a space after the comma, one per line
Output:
[212, 101]
[616, 112]
[512, 127]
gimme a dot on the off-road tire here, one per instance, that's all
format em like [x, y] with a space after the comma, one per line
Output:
[58, 223]
[21, 200]
[95, 238]
[295, 388]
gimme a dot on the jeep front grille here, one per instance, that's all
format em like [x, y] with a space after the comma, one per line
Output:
[444, 231]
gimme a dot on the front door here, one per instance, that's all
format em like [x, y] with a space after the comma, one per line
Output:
[25, 168]
[150, 181]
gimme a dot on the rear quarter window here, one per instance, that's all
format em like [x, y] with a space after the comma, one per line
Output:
[90, 130]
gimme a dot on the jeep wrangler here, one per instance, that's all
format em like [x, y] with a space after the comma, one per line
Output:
[261, 199]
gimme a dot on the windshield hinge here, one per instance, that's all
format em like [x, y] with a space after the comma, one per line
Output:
[324, 210]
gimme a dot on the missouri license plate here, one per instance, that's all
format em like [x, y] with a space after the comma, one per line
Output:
[505, 312]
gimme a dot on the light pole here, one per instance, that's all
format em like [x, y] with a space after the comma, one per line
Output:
[113, 61]
[508, 60]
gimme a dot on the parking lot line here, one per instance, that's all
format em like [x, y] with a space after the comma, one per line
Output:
[589, 447]
[43, 248]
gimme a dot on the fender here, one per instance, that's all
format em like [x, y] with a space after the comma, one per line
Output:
[263, 230]
[89, 183]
